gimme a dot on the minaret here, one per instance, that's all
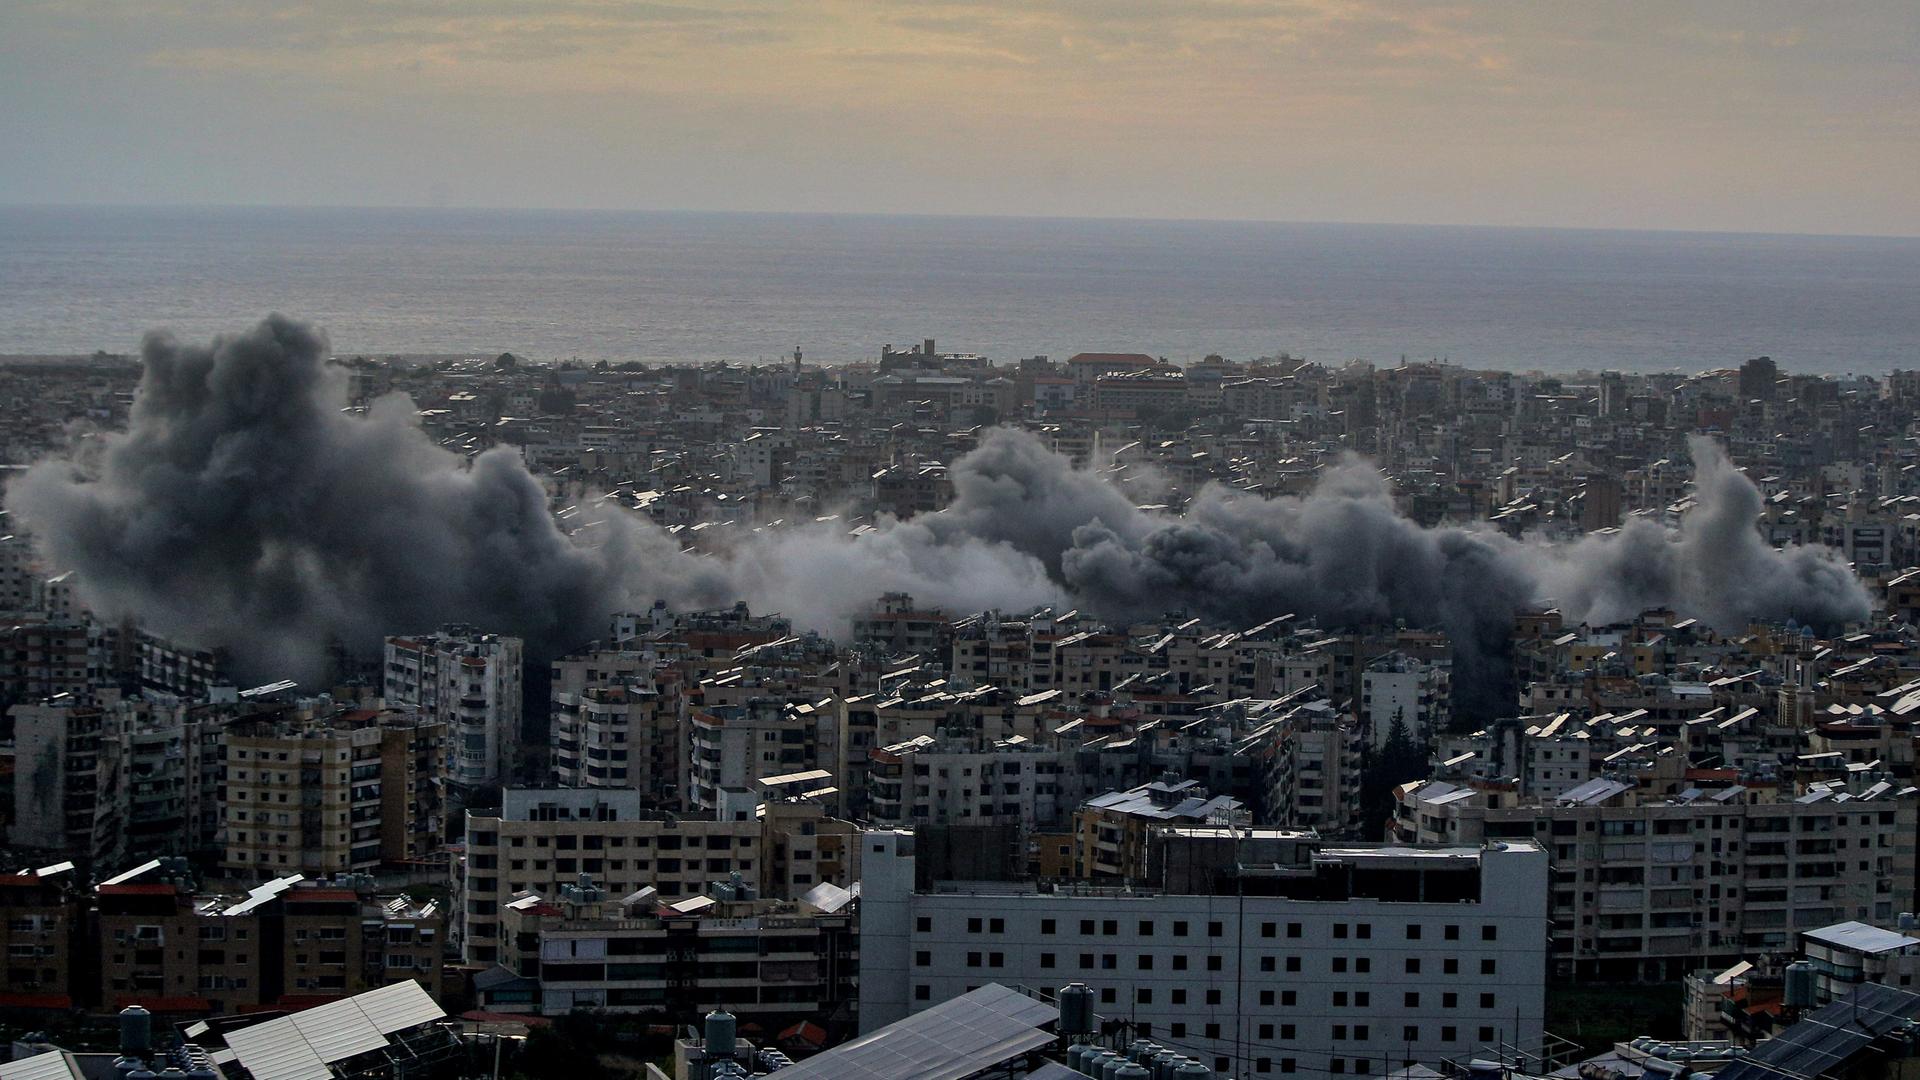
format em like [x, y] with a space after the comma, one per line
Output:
[796, 363]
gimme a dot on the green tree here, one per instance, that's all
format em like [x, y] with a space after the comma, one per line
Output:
[1398, 760]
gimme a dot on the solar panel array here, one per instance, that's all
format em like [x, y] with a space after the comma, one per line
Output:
[1828, 1036]
[302, 1046]
[954, 1039]
[52, 1065]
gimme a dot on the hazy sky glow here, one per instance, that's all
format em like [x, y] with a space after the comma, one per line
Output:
[1744, 115]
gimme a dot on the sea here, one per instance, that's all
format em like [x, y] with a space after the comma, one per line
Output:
[659, 287]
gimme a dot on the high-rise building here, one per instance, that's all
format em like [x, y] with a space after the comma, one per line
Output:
[471, 682]
[333, 794]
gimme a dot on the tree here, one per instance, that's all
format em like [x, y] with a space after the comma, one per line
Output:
[1398, 761]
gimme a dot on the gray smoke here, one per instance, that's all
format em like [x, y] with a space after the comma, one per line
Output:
[244, 508]
[1344, 555]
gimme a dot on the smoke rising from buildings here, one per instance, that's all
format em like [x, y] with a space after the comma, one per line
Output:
[244, 508]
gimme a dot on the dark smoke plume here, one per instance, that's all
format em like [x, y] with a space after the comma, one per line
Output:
[1346, 556]
[243, 508]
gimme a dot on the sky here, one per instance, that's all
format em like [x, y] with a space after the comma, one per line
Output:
[1745, 115]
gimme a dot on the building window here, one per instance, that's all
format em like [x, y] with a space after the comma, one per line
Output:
[1268, 929]
[973, 926]
[923, 958]
[1047, 926]
[1452, 932]
[1046, 960]
[1293, 930]
[923, 924]
[1486, 1001]
[1410, 1033]
[923, 992]
[1489, 932]
[1340, 931]
[1486, 966]
[1215, 929]
[1180, 928]
[1411, 999]
[1146, 927]
[1213, 998]
[973, 959]
[1413, 965]
[1145, 961]
[1413, 931]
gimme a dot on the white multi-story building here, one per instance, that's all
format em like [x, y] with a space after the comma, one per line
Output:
[1417, 693]
[471, 682]
[1300, 957]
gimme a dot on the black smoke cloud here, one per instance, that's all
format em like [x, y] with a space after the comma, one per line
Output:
[244, 508]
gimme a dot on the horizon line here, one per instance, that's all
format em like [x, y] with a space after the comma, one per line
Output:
[950, 216]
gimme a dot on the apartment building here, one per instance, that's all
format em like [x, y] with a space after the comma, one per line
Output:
[1648, 888]
[736, 745]
[1112, 832]
[619, 722]
[1310, 756]
[542, 840]
[764, 961]
[39, 929]
[941, 781]
[1416, 694]
[338, 793]
[471, 682]
[285, 943]
[1257, 952]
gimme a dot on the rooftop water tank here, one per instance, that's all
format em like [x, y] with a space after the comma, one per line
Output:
[1800, 985]
[720, 1034]
[136, 1031]
[1076, 1009]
